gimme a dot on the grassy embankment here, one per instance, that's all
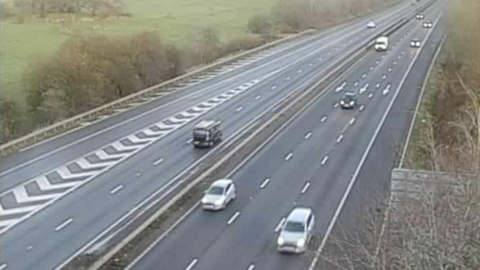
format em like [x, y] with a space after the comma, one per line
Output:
[175, 21]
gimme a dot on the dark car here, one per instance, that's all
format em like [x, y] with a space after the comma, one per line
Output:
[349, 100]
[207, 133]
[420, 16]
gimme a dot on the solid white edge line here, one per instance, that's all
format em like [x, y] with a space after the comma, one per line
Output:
[305, 187]
[192, 264]
[63, 224]
[158, 161]
[360, 165]
[279, 225]
[289, 156]
[117, 189]
[233, 218]
[418, 104]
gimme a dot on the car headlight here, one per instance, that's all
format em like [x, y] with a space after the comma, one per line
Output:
[342, 102]
[204, 200]
[351, 102]
[280, 241]
[219, 202]
[301, 242]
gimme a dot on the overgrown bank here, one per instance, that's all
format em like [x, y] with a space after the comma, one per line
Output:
[89, 70]
[448, 123]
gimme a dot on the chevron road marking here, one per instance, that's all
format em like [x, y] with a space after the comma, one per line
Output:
[106, 160]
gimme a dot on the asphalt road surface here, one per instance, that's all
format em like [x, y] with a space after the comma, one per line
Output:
[312, 162]
[57, 197]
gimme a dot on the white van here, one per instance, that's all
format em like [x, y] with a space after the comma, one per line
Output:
[381, 44]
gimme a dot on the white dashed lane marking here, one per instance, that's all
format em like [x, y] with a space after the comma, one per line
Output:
[117, 189]
[280, 224]
[305, 187]
[63, 224]
[324, 160]
[157, 162]
[265, 183]
[192, 264]
[233, 218]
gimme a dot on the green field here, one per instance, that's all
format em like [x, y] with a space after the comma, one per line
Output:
[175, 20]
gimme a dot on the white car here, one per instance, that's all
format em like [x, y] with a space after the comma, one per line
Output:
[220, 193]
[297, 231]
[415, 43]
[371, 24]
[427, 24]
[420, 16]
[381, 44]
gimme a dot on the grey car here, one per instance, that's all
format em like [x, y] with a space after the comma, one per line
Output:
[296, 231]
[349, 100]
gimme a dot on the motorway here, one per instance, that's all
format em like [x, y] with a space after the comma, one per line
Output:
[312, 162]
[59, 196]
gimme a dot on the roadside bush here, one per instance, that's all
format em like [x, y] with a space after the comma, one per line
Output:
[260, 24]
[11, 122]
[88, 71]
[241, 44]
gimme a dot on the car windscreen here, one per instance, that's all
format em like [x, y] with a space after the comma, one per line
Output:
[215, 191]
[200, 133]
[348, 98]
[292, 226]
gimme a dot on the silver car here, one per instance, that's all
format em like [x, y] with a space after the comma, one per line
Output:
[220, 193]
[296, 231]
[371, 24]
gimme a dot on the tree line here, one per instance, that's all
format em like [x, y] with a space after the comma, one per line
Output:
[42, 8]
